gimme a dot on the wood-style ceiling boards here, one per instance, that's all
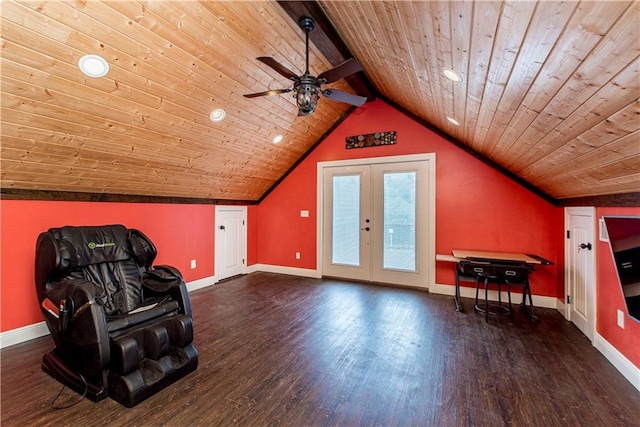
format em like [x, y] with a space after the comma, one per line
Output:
[550, 90]
[144, 129]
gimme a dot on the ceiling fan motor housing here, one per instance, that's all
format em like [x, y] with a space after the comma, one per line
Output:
[307, 24]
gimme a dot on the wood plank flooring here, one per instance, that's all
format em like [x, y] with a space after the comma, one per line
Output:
[284, 350]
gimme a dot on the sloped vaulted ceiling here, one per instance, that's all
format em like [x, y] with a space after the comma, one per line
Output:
[549, 90]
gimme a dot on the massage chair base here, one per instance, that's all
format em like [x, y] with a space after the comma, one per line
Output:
[130, 389]
[58, 370]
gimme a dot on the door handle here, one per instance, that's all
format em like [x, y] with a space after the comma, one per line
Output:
[585, 246]
[365, 229]
[221, 227]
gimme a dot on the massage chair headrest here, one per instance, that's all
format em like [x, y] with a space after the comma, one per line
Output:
[60, 250]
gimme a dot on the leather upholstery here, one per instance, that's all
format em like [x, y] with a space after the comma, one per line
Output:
[118, 323]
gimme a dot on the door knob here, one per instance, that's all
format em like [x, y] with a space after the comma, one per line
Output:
[585, 246]
[221, 227]
[365, 229]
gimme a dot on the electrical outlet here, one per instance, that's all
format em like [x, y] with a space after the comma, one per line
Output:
[304, 214]
[193, 264]
[621, 319]
[297, 255]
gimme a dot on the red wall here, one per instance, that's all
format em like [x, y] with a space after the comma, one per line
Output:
[252, 230]
[476, 206]
[180, 232]
[609, 298]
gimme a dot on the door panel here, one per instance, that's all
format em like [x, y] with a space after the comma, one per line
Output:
[400, 201]
[347, 211]
[580, 268]
[230, 241]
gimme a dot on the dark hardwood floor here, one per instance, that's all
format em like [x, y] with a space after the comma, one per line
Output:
[284, 350]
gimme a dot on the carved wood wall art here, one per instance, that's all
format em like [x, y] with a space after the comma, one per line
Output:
[371, 139]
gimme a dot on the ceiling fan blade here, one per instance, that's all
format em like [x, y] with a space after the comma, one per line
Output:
[348, 67]
[278, 67]
[267, 93]
[338, 95]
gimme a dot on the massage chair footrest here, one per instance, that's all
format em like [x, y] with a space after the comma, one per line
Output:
[152, 376]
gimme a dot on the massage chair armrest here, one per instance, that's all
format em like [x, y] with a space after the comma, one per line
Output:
[163, 280]
[64, 298]
[77, 324]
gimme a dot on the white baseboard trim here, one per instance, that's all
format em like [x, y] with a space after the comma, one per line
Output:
[201, 283]
[25, 333]
[467, 292]
[292, 271]
[630, 371]
[561, 307]
[37, 330]
[445, 290]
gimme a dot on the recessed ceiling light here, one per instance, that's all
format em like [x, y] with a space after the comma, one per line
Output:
[451, 74]
[453, 121]
[93, 66]
[217, 115]
[277, 139]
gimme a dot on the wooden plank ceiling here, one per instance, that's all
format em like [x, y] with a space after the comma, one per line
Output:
[550, 90]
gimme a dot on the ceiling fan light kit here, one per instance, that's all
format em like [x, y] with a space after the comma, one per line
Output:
[307, 87]
[307, 95]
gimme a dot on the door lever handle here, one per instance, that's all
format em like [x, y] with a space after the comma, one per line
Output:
[222, 227]
[365, 229]
[585, 246]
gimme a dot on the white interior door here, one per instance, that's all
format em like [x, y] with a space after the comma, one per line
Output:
[231, 237]
[376, 222]
[580, 271]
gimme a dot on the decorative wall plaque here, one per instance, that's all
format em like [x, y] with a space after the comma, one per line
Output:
[371, 139]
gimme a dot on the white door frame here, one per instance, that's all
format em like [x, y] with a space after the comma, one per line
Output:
[430, 246]
[218, 243]
[591, 291]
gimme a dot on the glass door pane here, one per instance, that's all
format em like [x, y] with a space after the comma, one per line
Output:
[346, 220]
[399, 221]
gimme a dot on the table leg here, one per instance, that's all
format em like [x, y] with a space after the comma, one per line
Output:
[528, 311]
[457, 297]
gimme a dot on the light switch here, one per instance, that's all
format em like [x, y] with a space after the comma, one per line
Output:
[621, 319]
[193, 264]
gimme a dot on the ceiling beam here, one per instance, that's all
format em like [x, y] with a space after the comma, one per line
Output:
[606, 200]
[53, 195]
[325, 37]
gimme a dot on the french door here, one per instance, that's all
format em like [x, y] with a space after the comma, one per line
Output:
[376, 222]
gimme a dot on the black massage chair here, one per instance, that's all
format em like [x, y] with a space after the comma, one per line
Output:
[121, 327]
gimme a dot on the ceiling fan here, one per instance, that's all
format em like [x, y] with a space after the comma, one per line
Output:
[308, 87]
